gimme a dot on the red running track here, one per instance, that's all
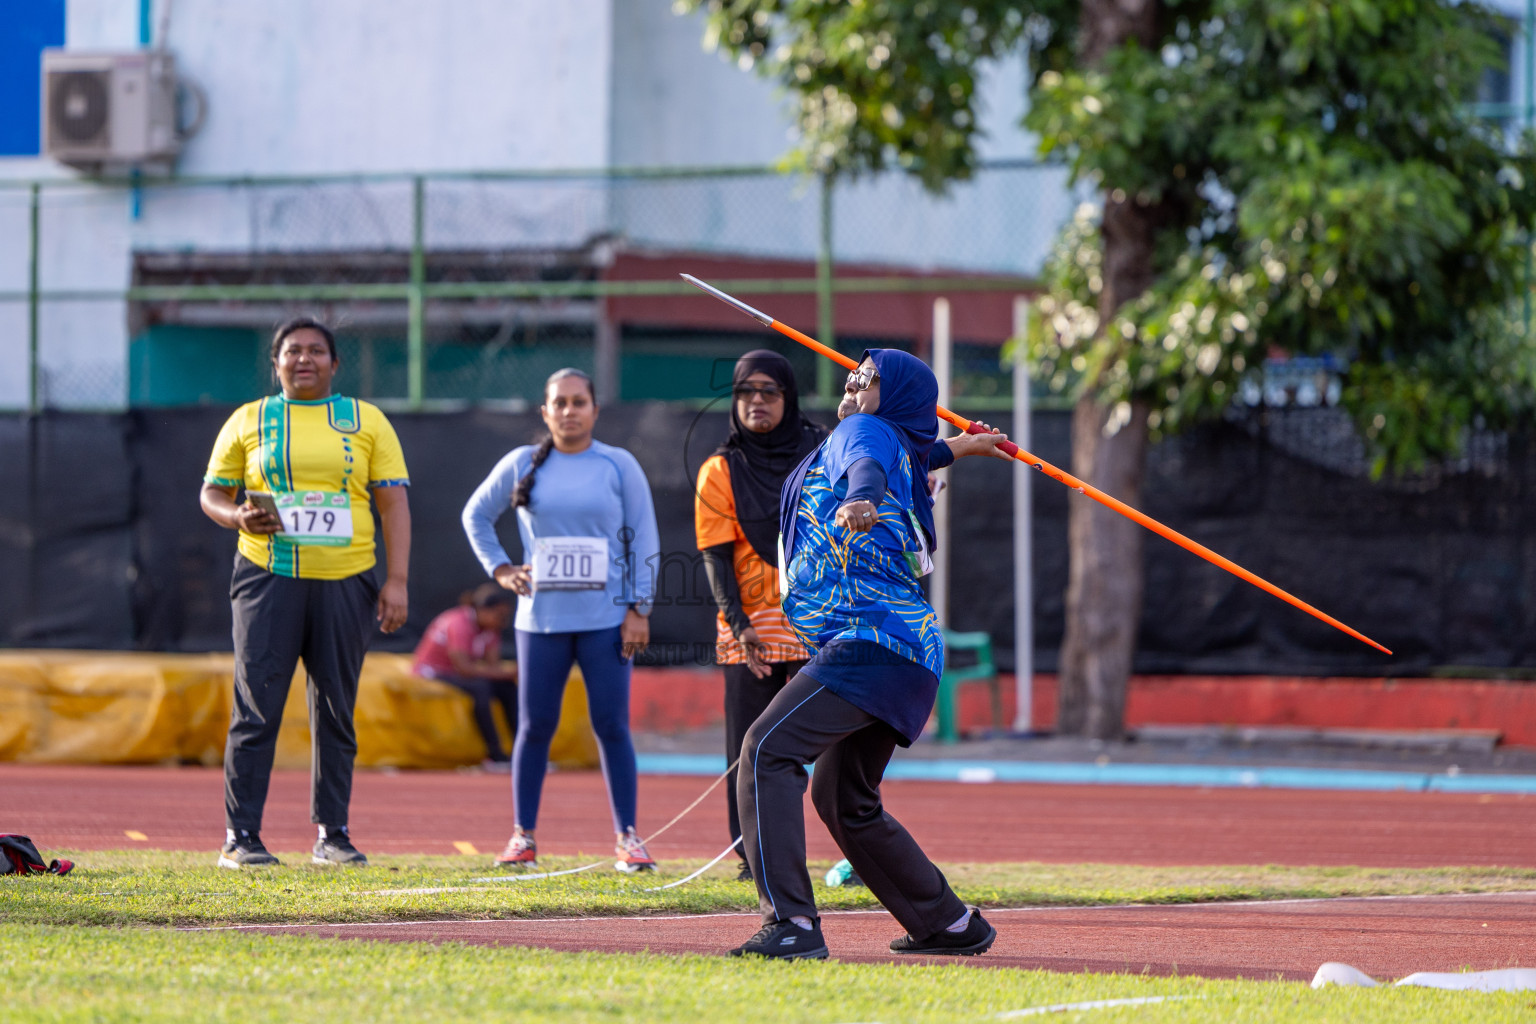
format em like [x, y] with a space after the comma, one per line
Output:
[91, 807]
[1386, 938]
[88, 807]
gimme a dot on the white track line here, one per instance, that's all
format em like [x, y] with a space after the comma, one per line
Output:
[1097, 1004]
[1264, 903]
[846, 913]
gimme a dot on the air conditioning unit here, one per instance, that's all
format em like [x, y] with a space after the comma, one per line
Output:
[110, 110]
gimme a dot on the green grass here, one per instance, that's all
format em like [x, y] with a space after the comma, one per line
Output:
[144, 887]
[53, 974]
[123, 971]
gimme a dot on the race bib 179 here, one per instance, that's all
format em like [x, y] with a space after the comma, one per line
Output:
[315, 517]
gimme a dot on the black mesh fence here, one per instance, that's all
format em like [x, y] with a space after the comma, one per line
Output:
[103, 544]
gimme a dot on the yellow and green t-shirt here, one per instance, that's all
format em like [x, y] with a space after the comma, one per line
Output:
[319, 459]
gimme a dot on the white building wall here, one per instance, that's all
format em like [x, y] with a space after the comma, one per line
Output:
[328, 86]
[83, 344]
[676, 104]
[298, 87]
[15, 217]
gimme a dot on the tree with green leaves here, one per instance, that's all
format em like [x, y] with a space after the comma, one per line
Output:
[1276, 176]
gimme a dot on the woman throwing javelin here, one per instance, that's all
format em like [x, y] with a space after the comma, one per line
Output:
[588, 529]
[857, 532]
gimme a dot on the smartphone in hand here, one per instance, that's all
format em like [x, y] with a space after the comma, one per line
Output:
[268, 504]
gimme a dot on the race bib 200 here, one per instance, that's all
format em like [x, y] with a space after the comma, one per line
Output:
[570, 563]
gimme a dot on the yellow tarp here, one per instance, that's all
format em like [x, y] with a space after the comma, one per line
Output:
[130, 708]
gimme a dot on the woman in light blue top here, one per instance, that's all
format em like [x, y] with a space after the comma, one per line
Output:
[588, 528]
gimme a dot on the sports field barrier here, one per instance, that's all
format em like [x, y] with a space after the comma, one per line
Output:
[103, 545]
[680, 700]
[132, 708]
[88, 707]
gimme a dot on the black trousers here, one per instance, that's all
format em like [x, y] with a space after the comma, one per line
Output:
[278, 621]
[808, 723]
[485, 692]
[746, 698]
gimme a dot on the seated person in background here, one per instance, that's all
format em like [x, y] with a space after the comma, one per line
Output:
[462, 647]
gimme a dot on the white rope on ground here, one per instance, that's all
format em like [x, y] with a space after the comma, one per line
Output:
[722, 855]
[541, 874]
[647, 841]
[680, 814]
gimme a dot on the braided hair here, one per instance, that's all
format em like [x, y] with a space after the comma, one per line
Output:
[522, 493]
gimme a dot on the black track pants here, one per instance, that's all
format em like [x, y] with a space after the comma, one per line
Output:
[746, 698]
[278, 621]
[807, 722]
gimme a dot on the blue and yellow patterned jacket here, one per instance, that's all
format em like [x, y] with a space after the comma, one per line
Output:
[844, 585]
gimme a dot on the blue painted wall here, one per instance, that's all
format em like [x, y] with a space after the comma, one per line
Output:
[26, 26]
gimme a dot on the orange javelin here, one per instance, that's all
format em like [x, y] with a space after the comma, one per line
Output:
[1060, 476]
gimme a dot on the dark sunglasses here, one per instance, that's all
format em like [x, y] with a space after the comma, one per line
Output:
[770, 392]
[860, 380]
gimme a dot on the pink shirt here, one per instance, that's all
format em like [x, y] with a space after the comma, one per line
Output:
[454, 630]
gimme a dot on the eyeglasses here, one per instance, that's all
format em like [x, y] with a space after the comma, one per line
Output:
[770, 392]
[860, 380]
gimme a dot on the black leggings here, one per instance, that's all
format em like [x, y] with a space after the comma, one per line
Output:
[485, 692]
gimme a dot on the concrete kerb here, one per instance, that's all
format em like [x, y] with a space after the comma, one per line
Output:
[1208, 776]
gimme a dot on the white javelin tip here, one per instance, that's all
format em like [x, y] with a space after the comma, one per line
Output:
[756, 314]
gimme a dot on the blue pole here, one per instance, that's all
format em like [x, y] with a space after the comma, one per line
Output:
[136, 194]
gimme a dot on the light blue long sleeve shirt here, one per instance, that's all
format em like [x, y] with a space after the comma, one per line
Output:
[600, 492]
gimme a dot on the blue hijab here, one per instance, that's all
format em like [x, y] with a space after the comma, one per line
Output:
[909, 394]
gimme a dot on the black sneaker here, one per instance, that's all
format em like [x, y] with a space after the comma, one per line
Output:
[744, 874]
[785, 940]
[245, 851]
[337, 848]
[976, 937]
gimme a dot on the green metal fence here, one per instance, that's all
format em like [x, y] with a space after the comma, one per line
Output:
[467, 287]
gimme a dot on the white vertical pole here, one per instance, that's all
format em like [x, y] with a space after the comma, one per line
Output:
[938, 587]
[1023, 554]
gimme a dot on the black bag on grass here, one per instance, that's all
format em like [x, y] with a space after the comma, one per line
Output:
[20, 857]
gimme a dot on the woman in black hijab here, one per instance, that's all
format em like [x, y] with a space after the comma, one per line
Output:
[736, 520]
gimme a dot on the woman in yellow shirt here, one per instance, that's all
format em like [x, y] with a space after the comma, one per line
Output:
[313, 465]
